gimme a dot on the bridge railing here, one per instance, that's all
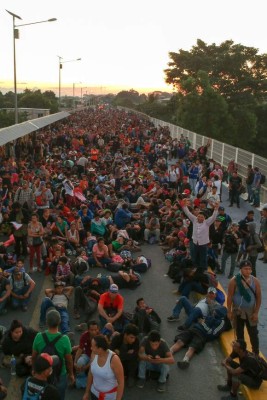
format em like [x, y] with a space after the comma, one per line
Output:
[218, 151]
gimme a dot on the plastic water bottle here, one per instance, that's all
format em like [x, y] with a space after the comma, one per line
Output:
[13, 362]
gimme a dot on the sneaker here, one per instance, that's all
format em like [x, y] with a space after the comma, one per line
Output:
[172, 318]
[141, 383]
[223, 388]
[183, 364]
[161, 387]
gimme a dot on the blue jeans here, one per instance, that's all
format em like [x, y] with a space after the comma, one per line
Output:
[192, 312]
[163, 369]
[199, 256]
[225, 257]
[250, 193]
[64, 315]
[81, 377]
[20, 302]
[62, 386]
[256, 197]
[186, 287]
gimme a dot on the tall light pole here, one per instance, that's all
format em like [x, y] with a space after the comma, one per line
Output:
[16, 36]
[73, 92]
[60, 66]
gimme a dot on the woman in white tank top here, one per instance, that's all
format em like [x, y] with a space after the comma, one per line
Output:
[106, 377]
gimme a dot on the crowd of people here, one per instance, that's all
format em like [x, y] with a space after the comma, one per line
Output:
[88, 193]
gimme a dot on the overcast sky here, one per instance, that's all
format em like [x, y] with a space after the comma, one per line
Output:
[122, 43]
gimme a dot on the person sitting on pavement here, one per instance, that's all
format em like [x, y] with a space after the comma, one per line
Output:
[110, 308]
[152, 227]
[203, 308]
[83, 354]
[246, 372]
[100, 254]
[18, 341]
[198, 334]
[38, 382]
[22, 286]
[126, 346]
[57, 298]
[145, 318]
[154, 355]
[64, 273]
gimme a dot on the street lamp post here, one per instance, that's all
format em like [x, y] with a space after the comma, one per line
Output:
[73, 92]
[16, 36]
[60, 66]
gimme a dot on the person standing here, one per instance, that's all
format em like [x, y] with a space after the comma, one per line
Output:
[62, 347]
[256, 188]
[21, 217]
[106, 377]
[263, 233]
[243, 303]
[249, 181]
[200, 234]
[235, 183]
[35, 240]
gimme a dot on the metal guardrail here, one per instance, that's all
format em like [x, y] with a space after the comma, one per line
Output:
[218, 151]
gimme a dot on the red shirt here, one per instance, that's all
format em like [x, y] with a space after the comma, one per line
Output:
[85, 344]
[106, 301]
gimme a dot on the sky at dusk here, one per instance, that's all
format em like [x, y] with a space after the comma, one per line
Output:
[122, 44]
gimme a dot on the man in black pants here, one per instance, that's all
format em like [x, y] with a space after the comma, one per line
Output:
[243, 303]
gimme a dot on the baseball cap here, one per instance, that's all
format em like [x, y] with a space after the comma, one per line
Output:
[44, 361]
[245, 263]
[212, 289]
[221, 208]
[113, 288]
[186, 191]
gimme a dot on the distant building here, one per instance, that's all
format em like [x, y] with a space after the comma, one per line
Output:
[32, 113]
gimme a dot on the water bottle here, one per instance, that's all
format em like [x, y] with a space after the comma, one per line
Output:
[13, 365]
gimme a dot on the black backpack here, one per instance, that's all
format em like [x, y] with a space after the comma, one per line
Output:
[263, 179]
[262, 363]
[50, 348]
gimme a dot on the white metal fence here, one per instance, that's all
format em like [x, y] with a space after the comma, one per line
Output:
[219, 151]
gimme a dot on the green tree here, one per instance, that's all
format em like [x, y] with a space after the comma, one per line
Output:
[220, 91]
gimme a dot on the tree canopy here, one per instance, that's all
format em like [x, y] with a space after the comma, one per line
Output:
[221, 92]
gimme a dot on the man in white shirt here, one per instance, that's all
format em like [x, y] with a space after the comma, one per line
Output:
[200, 234]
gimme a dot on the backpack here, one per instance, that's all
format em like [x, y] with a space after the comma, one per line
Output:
[263, 179]
[28, 395]
[262, 364]
[50, 348]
